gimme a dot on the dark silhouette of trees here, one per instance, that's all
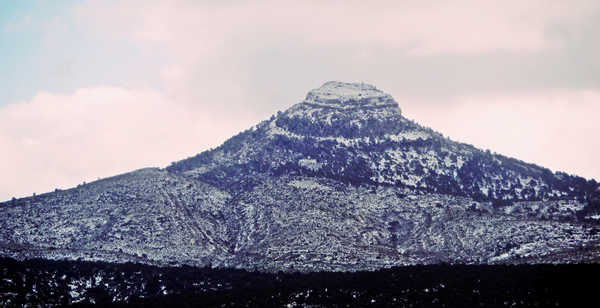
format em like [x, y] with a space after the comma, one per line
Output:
[45, 282]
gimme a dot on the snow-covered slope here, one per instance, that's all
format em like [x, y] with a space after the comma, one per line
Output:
[339, 181]
[143, 215]
[355, 132]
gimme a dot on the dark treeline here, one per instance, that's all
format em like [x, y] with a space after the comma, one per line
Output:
[85, 283]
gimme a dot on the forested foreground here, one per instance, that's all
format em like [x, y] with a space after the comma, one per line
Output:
[84, 283]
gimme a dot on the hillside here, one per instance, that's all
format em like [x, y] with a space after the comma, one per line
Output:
[340, 181]
[364, 139]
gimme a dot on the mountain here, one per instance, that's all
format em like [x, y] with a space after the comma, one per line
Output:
[340, 181]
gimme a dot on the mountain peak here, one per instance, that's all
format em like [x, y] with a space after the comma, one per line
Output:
[343, 94]
[340, 181]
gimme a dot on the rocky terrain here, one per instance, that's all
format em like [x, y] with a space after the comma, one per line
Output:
[341, 182]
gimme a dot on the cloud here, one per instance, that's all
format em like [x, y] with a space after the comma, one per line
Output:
[436, 27]
[124, 85]
[436, 49]
[554, 129]
[218, 44]
[58, 141]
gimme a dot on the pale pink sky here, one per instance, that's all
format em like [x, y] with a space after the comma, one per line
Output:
[133, 84]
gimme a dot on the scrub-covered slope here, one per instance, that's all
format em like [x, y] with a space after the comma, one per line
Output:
[146, 215]
[356, 133]
[340, 181]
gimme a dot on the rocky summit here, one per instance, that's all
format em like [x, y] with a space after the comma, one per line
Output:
[339, 181]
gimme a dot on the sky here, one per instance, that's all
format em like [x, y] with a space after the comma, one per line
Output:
[92, 89]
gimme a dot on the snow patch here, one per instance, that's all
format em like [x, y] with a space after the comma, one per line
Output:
[308, 184]
[409, 135]
[310, 164]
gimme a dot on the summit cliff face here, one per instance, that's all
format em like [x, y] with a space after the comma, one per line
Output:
[339, 181]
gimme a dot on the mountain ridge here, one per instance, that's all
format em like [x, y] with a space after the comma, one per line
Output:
[317, 187]
[370, 131]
